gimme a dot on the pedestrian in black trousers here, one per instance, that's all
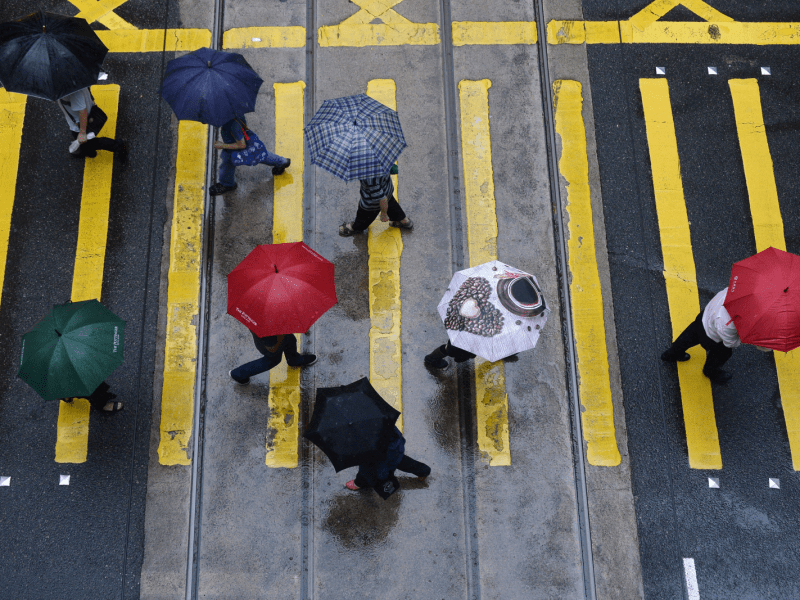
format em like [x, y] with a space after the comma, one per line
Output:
[273, 347]
[379, 474]
[436, 359]
[377, 198]
[101, 399]
[713, 329]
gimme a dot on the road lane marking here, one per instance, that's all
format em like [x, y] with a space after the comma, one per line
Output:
[183, 290]
[679, 272]
[768, 228]
[587, 296]
[645, 28]
[264, 37]
[72, 433]
[385, 248]
[491, 400]
[12, 117]
[359, 30]
[287, 226]
[494, 33]
[690, 573]
[154, 40]
[102, 11]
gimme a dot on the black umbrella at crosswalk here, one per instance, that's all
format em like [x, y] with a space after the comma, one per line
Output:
[351, 424]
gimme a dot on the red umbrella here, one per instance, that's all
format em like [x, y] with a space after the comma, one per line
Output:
[764, 299]
[281, 288]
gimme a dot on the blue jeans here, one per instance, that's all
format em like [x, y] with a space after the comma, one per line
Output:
[270, 360]
[227, 169]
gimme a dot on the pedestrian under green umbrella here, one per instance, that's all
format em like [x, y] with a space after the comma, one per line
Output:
[71, 351]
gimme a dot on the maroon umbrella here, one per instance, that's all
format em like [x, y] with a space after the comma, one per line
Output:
[281, 288]
[764, 299]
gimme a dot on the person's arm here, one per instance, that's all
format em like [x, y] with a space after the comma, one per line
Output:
[83, 121]
[239, 144]
[384, 207]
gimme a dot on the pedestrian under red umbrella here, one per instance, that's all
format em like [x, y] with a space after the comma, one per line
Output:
[273, 347]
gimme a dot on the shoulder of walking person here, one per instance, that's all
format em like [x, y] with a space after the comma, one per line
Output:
[78, 101]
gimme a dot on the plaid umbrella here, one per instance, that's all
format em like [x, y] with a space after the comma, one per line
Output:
[355, 137]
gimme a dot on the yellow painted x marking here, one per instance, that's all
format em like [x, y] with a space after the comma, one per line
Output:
[394, 29]
[657, 9]
[376, 9]
[102, 11]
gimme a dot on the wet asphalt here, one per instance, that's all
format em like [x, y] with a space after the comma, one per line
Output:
[743, 535]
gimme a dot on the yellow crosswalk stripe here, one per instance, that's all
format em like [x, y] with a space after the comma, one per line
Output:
[385, 246]
[264, 37]
[491, 399]
[493, 32]
[72, 437]
[679, 272]
[586, 295]
[183, 290]
[768, 229]
[12, 116]
[154, 40]
[287, 226]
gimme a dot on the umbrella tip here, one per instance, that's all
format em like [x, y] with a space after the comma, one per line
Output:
[58, 333]
[276, 268]
[786, 290]
[209, 64]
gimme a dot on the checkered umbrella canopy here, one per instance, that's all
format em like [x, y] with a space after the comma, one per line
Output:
[355, 137]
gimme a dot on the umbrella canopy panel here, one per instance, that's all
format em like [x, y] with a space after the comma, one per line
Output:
[763, 299]
[355, 137]
[211, 87]
[72, 350]
[281, 288]
[493, 310]
[351, 424]
[48, 55]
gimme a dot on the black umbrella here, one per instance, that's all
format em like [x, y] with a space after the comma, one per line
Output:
[351, 424]
[48, 55]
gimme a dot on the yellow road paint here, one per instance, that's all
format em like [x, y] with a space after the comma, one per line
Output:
[183, 289]
[12, 116]
[768, 229]
[679, 272]
[287, 226]
[491, 399]
[385, 245]
[645, 28]
[102, 11]
[154, 40]
[72, 437]
[87, 281]
[594, 385]
[359, 30]
[264, 37]
[490, 33]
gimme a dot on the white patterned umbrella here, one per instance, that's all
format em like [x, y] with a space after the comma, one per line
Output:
[493, 310]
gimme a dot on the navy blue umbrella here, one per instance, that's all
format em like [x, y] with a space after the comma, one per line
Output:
[355, 137]
[211, 87]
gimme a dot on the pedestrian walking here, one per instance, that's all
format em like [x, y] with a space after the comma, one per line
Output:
[379, 473]
[377, 198]
[273, 347]
[436, 359]
[101, 399]
[235, 135]
[715, 331]
[85, 120]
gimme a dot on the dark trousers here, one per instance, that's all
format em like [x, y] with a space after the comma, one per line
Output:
[407, 465]
[449, 350]
[365, 217]
[95, 144]
[717, 352]
[101, 396]
[270, 360]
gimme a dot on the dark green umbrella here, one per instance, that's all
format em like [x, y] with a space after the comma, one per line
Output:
[72, 350]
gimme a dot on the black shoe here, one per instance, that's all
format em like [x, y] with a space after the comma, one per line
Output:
[308, 360]
[240, 382]
[218, 188]
[718, 376]
[87, 154]
[669, 357]
[436, 364]
[280, 170]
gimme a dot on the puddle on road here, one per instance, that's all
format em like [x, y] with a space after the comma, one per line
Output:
[362, 520]
[352, 281]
